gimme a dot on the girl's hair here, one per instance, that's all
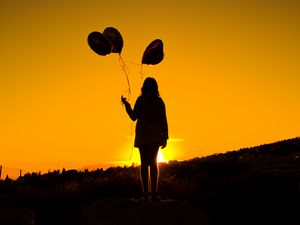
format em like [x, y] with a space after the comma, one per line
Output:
[150, 88]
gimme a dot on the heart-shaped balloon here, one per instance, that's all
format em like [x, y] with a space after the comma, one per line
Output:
[115, 38]
[99, 43]
[154, 53]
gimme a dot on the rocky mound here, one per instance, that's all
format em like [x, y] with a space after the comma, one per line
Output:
[133, 212]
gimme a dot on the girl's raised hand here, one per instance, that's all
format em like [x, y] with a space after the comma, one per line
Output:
[123, 100]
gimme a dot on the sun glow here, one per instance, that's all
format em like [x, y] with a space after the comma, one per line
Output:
[161, 157]
[135, 158]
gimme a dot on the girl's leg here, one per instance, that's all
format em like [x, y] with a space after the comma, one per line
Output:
[154, 171]
[144, 171]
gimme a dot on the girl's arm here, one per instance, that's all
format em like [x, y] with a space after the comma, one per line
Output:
[129, 110]
[165, 132]
[165, 123]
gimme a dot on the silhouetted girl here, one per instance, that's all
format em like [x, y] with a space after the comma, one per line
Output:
[151, 133]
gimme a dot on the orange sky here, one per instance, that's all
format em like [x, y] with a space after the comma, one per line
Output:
[230, 78]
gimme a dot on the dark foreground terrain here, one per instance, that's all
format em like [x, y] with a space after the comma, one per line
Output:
[259, 185]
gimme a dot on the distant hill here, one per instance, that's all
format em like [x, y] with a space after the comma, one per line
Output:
[258, 185]
[279, 148]
[282, 156]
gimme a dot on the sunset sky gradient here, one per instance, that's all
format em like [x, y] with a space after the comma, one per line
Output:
[230, 78]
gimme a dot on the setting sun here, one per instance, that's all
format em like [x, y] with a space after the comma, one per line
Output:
[161, 157]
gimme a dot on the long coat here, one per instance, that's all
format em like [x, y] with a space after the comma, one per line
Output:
[152, 125]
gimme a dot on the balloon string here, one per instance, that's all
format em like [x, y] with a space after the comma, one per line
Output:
[126, 72]
[125, 69]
